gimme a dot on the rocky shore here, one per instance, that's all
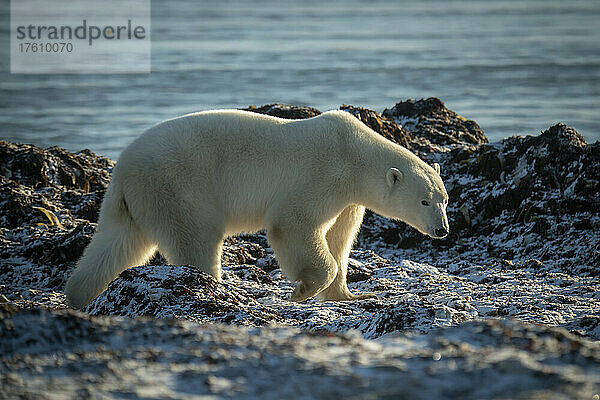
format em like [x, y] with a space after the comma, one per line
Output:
[507, 306]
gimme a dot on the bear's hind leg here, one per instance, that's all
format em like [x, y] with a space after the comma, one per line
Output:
[340, 237]
[194, 243]
[304, 258]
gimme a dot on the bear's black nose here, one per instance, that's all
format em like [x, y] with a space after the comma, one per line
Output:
[441, 232]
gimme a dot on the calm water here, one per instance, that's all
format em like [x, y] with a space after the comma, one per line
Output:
[513, 66]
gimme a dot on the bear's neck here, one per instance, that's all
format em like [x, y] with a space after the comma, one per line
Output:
[373, 156]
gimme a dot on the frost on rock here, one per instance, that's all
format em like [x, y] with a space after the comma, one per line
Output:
[524, 246]
[65, 354]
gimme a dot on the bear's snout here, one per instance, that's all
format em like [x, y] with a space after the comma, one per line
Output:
[441, 232]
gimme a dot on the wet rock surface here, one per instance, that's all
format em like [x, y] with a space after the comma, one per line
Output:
[64, 354]
[524, 246]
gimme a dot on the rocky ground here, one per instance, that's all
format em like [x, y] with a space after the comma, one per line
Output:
[507, 306]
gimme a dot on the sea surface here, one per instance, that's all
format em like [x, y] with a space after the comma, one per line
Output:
[515, 67]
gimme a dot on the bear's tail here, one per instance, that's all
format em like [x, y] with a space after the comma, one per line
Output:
[117, 245]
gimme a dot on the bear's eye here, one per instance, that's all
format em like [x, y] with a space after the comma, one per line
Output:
[425, 202]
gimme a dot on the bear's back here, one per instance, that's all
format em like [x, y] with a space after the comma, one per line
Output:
[243, 152]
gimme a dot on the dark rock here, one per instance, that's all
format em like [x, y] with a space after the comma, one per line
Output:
[84, 206]
[490, 162]
[16, 204]
[558, 161]
[429, 118]
[61, 247]
[285, 111]
[252, 273]
[357, 273]
[35, 167]
[380, 124]
[68, 185]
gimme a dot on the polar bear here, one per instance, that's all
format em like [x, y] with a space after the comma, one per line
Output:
[187, 183]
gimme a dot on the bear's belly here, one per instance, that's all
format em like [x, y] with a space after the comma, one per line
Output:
[245, 223]
[244, 216]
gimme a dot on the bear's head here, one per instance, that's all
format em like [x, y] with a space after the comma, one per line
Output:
[418, 198]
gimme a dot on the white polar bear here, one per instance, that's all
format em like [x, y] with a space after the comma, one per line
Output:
[189, 182]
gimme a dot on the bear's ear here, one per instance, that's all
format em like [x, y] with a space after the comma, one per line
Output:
[436, 166]
[394, 176]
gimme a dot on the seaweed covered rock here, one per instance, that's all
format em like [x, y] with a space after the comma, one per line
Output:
[35, 167]
[429, 118]
[530, 179]
[182, 291]
[380, 124]
[36, 183]
[554, 174]
[284, 111]
[47, 199]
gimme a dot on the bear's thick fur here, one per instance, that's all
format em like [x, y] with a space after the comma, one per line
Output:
[189, 182]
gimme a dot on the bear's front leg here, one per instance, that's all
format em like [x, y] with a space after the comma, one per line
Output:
[340, 237]
[304, 258]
